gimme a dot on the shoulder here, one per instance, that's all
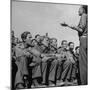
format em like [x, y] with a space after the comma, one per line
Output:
[19, 47]
[84, 16]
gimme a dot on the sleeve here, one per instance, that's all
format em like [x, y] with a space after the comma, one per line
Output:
[18, 52]
[35, 52]
[83, 22]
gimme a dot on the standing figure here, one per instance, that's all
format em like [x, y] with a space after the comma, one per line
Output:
[82, 32]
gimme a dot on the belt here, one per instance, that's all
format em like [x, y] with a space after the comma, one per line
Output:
[84, 36]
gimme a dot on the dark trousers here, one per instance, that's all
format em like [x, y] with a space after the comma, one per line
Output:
[83, 60]
[59, 69]
[44, 72]
[49, 71]
[14, 71]
[67, 70]
[52, 71]
[74, 70]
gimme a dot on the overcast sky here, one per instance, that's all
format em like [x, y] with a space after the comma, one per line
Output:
[41, 18]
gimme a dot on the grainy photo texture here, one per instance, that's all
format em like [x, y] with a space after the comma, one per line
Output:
[48, 44]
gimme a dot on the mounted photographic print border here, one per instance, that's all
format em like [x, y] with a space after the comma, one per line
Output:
[48, 44]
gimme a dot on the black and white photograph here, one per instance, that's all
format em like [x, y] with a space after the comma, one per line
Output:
[49, 44]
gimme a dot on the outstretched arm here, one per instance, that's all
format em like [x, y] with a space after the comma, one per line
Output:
[81, 26]
[76, 28]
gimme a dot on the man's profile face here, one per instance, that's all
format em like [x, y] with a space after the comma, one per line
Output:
[80, 12]
[28, 39]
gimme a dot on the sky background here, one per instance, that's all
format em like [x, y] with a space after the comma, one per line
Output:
[41, 18]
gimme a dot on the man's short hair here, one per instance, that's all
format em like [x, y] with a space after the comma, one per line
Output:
[37, 35]
[33, 40]
[63, 41]
[24, 35]
[76, 47]
[70, 43]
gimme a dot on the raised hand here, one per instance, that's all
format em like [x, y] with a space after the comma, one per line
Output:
[64, 24]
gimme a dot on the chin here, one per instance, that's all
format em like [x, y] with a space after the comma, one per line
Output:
[80, 14]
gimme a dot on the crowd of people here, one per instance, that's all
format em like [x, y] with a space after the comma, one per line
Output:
[39, 62]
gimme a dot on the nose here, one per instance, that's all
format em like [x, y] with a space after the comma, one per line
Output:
[30, 36]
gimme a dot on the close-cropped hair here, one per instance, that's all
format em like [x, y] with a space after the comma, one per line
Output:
[70, 43]
[33, 40]
[63, 41]
[24, 35]
[76, 47]
[37, 35]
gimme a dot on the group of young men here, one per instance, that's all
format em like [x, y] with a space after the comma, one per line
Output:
[39, 62]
